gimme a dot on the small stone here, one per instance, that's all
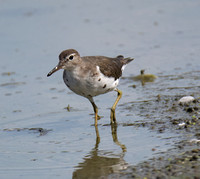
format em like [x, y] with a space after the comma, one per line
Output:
[194, 158]
[186, 100]
[194, 141]
[195, 150]
[189, 109]
[181, 124]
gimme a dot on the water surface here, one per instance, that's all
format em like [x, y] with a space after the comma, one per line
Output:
[40, 138]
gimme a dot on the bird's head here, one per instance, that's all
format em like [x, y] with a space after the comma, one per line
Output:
[67, 60]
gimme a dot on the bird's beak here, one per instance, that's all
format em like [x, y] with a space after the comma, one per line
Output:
[58, 67]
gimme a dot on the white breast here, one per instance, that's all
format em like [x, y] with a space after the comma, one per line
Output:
[89, 84]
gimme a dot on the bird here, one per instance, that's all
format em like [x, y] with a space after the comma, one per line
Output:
[90, 76]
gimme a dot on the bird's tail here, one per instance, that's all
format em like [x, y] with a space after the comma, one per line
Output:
[125, 60]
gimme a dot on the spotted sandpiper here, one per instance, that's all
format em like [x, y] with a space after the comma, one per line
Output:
[91, 76]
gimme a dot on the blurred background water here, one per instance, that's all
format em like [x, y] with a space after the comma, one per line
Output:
[42, 139]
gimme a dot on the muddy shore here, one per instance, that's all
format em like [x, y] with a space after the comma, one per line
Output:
[163, 114]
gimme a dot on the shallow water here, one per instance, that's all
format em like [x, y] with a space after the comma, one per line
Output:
[39, 137]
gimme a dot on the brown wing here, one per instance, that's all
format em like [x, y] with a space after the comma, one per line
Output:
[110, 67]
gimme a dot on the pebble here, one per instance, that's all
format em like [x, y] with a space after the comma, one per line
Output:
[181, 124]
[186, 100]
[194, 141]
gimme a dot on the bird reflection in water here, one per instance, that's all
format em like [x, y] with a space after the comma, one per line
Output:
[97, 165]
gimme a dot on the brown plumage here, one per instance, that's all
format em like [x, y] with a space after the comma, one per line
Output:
[90, 76]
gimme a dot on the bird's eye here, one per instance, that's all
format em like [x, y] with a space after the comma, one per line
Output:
[71, 57]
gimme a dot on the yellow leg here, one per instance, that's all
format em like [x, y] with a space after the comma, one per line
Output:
[95, 111]
[112, 114]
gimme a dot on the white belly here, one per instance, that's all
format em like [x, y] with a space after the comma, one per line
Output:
[89, 85]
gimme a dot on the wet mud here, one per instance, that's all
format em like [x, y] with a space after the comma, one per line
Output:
[165, 114]
[39, 131]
